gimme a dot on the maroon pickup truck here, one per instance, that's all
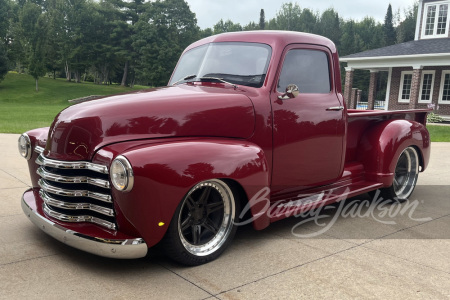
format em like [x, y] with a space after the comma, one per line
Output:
[251, 125]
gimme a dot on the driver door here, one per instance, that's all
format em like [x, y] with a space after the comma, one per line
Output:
[309, 128]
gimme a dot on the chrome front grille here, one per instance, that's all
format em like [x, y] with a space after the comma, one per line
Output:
[76, 192]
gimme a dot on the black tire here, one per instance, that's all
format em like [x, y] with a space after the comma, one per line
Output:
[203, 224]
[405, 177]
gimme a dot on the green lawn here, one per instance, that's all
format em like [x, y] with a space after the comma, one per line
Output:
[439, 133]
[22, 108]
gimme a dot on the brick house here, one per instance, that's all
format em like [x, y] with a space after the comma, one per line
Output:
[418, 71]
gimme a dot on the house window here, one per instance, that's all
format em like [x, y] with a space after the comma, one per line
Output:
[426, 87]
[444, 95]
[405, 87]
[435, 20]
[442, 19]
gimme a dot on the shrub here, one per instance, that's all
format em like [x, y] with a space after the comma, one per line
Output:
[434, 118]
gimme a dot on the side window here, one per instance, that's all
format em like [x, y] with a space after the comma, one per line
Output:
[308, 69]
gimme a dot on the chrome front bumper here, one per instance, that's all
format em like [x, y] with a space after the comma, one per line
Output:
[123, 249]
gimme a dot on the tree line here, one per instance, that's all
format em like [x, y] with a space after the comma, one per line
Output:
[134, 41]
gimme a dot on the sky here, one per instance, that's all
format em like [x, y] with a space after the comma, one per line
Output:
[209, 12]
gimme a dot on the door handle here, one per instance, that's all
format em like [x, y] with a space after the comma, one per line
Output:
[335, 108]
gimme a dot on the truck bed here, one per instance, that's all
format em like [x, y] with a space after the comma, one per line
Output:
[359, 122]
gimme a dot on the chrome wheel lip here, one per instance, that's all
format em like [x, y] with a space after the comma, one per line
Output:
[406, 172]
[226, 227]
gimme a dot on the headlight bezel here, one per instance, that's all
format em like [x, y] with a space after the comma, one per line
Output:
[126, 169]
[25, 150]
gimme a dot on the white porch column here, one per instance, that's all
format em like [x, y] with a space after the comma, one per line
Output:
[388, 90]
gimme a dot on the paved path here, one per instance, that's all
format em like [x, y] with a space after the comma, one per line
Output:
[370, 255]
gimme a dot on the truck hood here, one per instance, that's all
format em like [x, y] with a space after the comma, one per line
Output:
[180, 111]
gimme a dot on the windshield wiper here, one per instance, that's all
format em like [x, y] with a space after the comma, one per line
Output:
[204, 78]
[184, 79]
[218, 79]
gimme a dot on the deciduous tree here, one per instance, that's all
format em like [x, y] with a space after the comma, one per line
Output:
[34, 30]
[4, 27]
[288, 17]
[3, 63]
[329, 25]
[406, 30]
[308, 21]
[125, 17]
[161, 34]
[227, 26]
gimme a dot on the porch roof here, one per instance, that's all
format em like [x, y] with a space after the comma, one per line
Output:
[416, 54]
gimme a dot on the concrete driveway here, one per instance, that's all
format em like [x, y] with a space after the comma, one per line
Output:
[349, 250]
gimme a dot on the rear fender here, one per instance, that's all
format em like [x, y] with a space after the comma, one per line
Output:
[164, 173]
[382, 144]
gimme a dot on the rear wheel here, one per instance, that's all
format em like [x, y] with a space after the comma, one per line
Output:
[203, 224]
[405, 177]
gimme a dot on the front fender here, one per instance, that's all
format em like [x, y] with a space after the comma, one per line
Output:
[382, 144]
[164, 173]
[38, 138]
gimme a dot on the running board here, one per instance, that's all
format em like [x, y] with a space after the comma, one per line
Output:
[305, 202]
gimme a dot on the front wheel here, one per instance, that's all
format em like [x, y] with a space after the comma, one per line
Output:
[405, 177]
[203, 224]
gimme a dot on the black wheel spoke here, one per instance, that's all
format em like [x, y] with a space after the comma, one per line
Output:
[186, 223]
[396, 184]
[196, 232]
[213, 207]
[190, 203]
[401, 170]
[205, 195]
[402, 160]
[209, 225]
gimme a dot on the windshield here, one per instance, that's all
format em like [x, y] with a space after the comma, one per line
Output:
[237, 63]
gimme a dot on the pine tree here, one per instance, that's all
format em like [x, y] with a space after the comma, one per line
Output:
[388, 28]
[262, 20]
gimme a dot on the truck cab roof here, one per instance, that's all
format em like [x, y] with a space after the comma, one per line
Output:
[277, 39]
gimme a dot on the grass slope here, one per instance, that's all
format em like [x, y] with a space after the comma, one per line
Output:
[22, 108]
[439, 133]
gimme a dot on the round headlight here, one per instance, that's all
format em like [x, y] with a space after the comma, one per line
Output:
[25, 146]
[121, 174]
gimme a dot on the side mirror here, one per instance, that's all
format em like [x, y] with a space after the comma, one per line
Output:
[292, 91]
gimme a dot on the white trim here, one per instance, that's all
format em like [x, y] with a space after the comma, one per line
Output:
[388, 90]
[434, 60]
[413, 57]
[419, 14]
[400, 90]
[441, 91]
[436, 17]
[432, 72]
